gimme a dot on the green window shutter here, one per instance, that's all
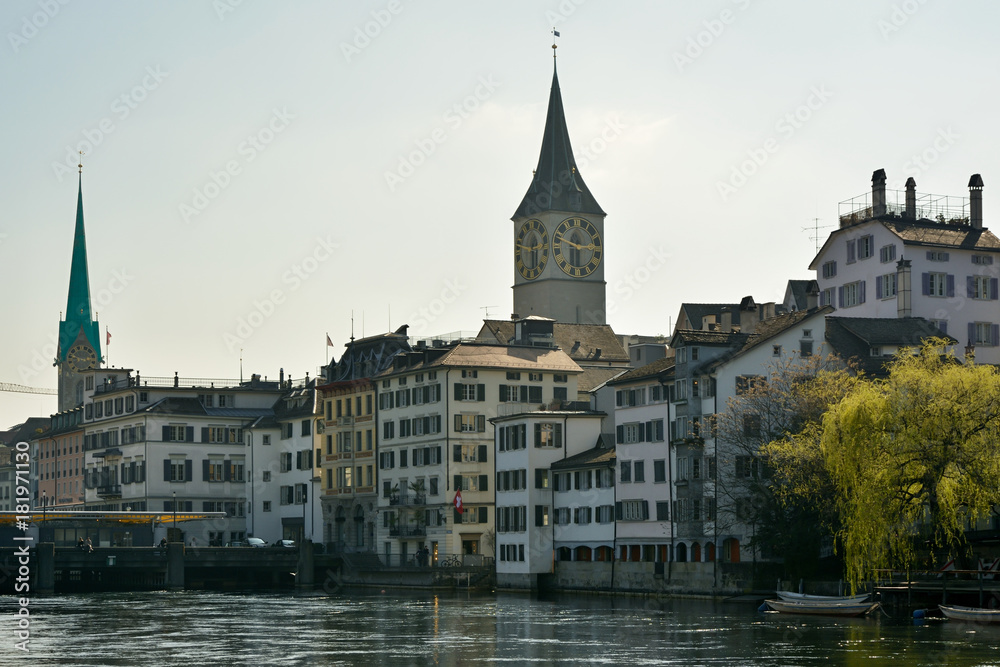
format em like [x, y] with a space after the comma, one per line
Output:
[189, 434]
[188, 470]
[484, 481]
[456, 455]
[504, 393]
[204, 470]
[481, 423]
[458, 423]
[483, 515]
[482, 454]
[459, 391]
[458, 483]
[165, 435]
[480, 392]
[204, 434]
[166, 468]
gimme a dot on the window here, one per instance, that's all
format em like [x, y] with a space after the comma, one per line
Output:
[630, 397]
[660, 471]
[466, 423]
[852, 294]
[513, 375]
[548, 435]
[266, 476]
[940, 324]
[470, 374]
[170, 433]
[541, 479]
[286, 461]
[582, 515]
[213, 471]
[937, 256]
[826, 297]
[267, 506]
[626, 471]
[634, 510]
[541, 515]
[639, 471]
[887, 253]
[265, 440]
[745, 383]
[470, 392]
[560, 377]
[177, 470]
[662, 511]
[986, 334]
[982, 259]
[775, 350]
[829, 269]
[306, 426]
[866, 246]
[981, 287]
[885, 286]
[805, 348]
[938, 284]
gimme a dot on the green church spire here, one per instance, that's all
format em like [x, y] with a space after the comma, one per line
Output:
[78, 315]
[557, 184]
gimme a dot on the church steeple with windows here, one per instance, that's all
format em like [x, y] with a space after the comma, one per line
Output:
[79, 334]
[559, 233]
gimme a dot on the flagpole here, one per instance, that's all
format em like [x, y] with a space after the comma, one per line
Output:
[107, 344]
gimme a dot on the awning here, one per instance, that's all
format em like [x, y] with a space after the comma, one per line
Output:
[11, 518]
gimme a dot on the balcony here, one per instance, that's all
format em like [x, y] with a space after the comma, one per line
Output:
[407, 531]
[408, 500]
[345, 421]
[942, 209]
[109, 491]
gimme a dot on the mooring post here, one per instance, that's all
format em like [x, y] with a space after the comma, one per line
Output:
[46, 568]
[305, 576]
[175, 566]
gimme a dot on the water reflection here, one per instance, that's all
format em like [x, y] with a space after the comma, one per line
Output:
[194, 628]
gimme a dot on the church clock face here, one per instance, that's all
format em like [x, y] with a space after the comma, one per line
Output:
[81, 357]
[577, 247]
[531, 249]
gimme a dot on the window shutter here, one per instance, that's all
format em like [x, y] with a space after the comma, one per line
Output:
[481, 423]
[534, 394]
[484, 515]
[482, 454]
[523, 393]
[618, 511]
[943, 326]
[484, 482]
[458, 423]
[950, 285]
[925, 283]
[504, 393]
[131, 472]
[459, 391]
[648, 435]
[620, 434]
[480, 392]
[458, 482]
[840, 296]
[188, 469]
[878, 287]
[189, 434]
[970, 286]
[539, 515]
[850, 251]
[645, 509]
[861, 291]
[166, 469]
[993, 288]
[458, 516]
[456, 455]
[204, 434]
[972, 333]
[165, 437]
[995, 334]
[538, 478]
[204, 470]
[538, 435]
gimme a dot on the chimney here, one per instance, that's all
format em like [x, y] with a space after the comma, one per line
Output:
[748, 315]
[878, 193]
[812, 295]
[281, 377]
[903, 289]
[911, 199]
[976, 201]
[727, 321]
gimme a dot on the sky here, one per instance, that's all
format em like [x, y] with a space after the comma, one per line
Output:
[258, 175]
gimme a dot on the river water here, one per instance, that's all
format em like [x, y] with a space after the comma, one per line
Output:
[202, 628]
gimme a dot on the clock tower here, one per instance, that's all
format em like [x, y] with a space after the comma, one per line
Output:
[559, 233]
[79, 333]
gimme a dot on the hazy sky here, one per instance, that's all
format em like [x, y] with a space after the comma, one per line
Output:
[304, 160]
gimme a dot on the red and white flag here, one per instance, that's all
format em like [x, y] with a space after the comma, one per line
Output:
[329, 343]
[458, 501]
[109, 336]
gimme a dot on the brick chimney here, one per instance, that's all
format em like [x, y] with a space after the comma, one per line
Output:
[878, 193]
[911, 199]
[976, 201]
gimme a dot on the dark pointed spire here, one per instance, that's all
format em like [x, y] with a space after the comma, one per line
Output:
[78, 313]
[557, 184]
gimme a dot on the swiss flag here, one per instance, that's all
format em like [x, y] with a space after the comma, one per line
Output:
[109, 337]
[458, 501]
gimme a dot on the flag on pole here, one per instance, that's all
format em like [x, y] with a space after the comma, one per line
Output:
[555, 32]
[109, 336]
[329, 343]
[458, 501]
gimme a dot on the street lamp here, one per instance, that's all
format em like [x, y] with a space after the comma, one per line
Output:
[45, 503]
[174, 505]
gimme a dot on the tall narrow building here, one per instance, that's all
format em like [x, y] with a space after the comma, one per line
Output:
[559, 234]
[79, 333]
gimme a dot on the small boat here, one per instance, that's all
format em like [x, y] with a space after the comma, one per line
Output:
[820, 608]
[788, 596]
[971, 614]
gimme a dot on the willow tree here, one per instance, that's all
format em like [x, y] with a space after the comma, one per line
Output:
[913, 458]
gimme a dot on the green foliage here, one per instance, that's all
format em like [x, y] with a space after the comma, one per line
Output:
[911, 457]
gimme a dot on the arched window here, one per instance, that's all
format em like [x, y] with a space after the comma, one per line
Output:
[564, 553]
[584, 554]
[710, 552]
[695, 553]
[682, 553]
[731, 550]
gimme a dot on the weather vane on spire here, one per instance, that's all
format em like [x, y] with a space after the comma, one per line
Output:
[555, 33]
[81, 162]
